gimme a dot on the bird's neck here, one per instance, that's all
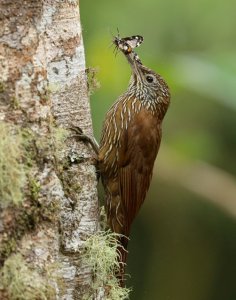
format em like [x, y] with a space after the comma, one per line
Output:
[157, 103]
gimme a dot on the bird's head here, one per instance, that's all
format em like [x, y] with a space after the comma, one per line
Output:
[147, 85]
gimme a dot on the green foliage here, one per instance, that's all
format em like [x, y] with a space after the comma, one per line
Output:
[101, 256]
[13, 173]
[22, 283]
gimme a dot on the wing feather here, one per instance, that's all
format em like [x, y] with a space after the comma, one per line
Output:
[137, 156]
[126, 162]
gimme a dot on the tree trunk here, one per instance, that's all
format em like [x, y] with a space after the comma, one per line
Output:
[48, 183]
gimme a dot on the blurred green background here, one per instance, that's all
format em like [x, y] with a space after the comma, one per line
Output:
[183, 243]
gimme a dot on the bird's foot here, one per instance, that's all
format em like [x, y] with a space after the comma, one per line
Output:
[79, 135]
[85, 138]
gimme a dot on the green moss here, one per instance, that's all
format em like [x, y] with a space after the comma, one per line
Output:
[15, 103]
[7, 246]
[69, 182]
[58, 136]
[2, 87]
[21, 154]
[28, 142]
[27, 214]
[44, 147]
[101, 256]
[23, 283]
[38, 148]
[34, 188]
[25, 218]
[13, 174]
[45, 97]
[92, 81]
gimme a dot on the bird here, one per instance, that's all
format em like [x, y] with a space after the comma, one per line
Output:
[130, 140]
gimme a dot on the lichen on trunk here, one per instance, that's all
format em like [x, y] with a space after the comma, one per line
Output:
[48, 201]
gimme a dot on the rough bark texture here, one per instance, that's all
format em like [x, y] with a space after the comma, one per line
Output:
[42, 88]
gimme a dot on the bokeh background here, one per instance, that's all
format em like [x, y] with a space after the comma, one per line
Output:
[183, 243]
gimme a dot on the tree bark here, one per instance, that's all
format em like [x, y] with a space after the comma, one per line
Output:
[43, 91]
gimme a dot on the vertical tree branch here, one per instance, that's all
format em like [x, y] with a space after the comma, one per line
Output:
[43, 88]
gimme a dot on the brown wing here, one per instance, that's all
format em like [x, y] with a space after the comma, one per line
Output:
[126, 157]
[138, 150]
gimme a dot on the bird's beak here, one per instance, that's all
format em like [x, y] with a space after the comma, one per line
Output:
[135, 66]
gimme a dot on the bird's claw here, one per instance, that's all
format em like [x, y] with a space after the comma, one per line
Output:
[84, 138]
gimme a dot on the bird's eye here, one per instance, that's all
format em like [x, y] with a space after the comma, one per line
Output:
[149, 78]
